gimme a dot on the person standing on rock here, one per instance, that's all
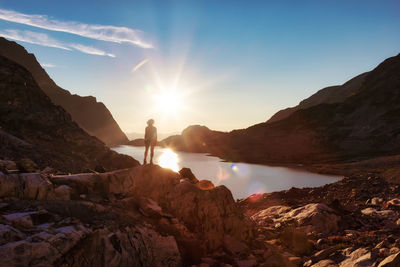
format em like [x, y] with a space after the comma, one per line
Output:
[150, 140]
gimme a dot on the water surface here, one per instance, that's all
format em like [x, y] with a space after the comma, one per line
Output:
[243, 179]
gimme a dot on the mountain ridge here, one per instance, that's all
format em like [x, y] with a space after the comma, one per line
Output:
[92, 116]
[329, 95]
[33, 127]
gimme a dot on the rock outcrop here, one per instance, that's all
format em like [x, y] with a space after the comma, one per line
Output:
[32, 127]
[92, 116]
[145, 216]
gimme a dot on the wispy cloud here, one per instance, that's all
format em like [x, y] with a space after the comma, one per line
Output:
[48, 65]
[90, 50]
[45, 40]
[99, 32]
[139, 65]
[33, 38]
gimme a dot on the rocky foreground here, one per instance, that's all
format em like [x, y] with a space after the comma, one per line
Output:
[150, 216]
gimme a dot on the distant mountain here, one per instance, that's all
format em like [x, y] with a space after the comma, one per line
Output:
[92, 116]
[328, 95]
[195, 138]
[365, 124]
[31, 126]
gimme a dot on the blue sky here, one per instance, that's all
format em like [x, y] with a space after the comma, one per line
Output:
[232, 63]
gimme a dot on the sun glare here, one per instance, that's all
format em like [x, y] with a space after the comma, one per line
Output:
[169, 102]
[169, 159]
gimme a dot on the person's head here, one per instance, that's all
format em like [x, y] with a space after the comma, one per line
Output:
[150, 122]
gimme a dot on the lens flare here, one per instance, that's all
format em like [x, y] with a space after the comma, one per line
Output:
[222, 175]
[169, 159]
[234, 167]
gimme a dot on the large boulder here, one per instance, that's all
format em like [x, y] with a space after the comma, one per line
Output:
[315, 217]
[77, 245]
[391, 261]
[359, 257]
[211, 213]
[25, 186]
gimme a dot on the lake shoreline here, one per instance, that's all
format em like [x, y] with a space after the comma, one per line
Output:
[243, 179]
[384, 166]
[305, 167]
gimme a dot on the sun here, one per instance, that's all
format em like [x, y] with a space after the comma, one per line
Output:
[169, 102]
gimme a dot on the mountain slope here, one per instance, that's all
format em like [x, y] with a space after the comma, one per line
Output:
[328, 95]
[92, 116]
[31, 126]
[364, 125]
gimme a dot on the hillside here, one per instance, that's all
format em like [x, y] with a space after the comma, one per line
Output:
[92, 116]
[31, 126]
[363, 125]
[328, 95]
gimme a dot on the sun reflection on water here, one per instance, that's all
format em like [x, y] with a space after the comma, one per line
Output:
[169, 159]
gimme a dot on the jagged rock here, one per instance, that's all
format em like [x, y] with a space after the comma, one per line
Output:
[393, 203]
[211, 213]
[323, 254]
[377, 201]
[132, 246]
[205, 185]
[359, 257]
[116, 182]
[42, 248]
[25, 186]
[270, 215]
[312, 217]
[187, 173]
[378, 213]
[391, 261]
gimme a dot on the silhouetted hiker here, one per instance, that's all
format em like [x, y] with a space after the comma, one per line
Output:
[150, 140]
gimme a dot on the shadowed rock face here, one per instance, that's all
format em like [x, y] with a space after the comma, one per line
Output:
[33, 127]
[92, 116]
[328, 95]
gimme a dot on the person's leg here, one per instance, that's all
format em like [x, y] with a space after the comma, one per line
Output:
[145, 153]
[152, 153]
